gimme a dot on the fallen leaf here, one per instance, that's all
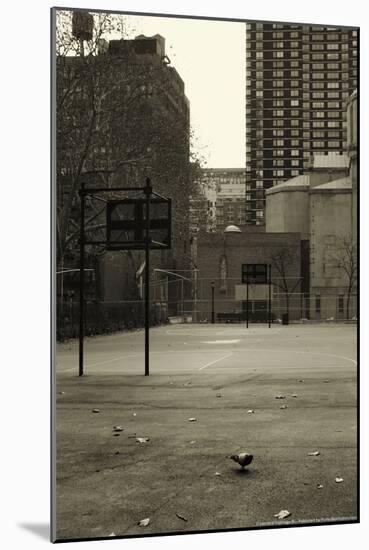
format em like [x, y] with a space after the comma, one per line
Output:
[217, 474]
[319, 486]
[188, 383]
[181, 517]
[280, 397]
[218, 395]
[283, 407]
[61, 392]
[294, 395]
[144, 522]
[250, 411]
[118, 428]
[192, 419]
[95, 410]
[326, 381]
[112, 534]
[142, 439]
[338, 480]
[301, 380]
[134, 414]
[282, 514]
[314, 453]
[116, 434]
[116, 453]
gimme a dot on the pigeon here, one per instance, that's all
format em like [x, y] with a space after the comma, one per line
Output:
[243, 459]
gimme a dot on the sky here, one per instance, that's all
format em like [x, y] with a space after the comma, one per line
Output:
[210, 58]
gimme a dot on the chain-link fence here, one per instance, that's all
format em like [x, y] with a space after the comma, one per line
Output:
[195, 300]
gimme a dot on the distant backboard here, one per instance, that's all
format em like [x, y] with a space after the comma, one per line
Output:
[126, 224]
[255, 274]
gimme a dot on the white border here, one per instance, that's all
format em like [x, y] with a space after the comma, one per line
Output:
[25, 266]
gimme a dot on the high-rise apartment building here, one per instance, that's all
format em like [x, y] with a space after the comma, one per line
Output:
[298, 79]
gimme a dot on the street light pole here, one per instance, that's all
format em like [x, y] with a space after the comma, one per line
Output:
[212, 303]
[81, 281]
[148, 191]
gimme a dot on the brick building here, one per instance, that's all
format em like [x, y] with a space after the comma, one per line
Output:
[219, 259]
[299, 78]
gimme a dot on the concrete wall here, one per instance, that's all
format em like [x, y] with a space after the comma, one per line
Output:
[288, 211]
[330, 218]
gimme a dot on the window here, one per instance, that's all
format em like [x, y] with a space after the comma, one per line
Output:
[295, 112]
[318, 124]
[319, 114]
[278, 54]
[318, 104]
[318, 144]
[294, 74]
[294, 172]
[333, 46]
[295, 162]
[318, 66]
[318, 76]
[294, 142]
[317, 304]
[318, 95]
[294, 153]
[259, 93]
[333, 85]
[341, 304]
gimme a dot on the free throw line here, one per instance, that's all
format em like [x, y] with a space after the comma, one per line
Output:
[216, 361]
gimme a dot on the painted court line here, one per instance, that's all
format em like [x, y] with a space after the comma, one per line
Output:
[216, 361]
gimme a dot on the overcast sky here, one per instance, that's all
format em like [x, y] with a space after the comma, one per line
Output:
[210, 58]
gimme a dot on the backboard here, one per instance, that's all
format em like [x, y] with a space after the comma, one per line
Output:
[126, 224]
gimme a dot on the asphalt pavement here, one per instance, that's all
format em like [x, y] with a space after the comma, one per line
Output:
[279, 393]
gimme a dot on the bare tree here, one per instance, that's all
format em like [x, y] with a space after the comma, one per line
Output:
[346, 261]
[282, 260]
[113, 114]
